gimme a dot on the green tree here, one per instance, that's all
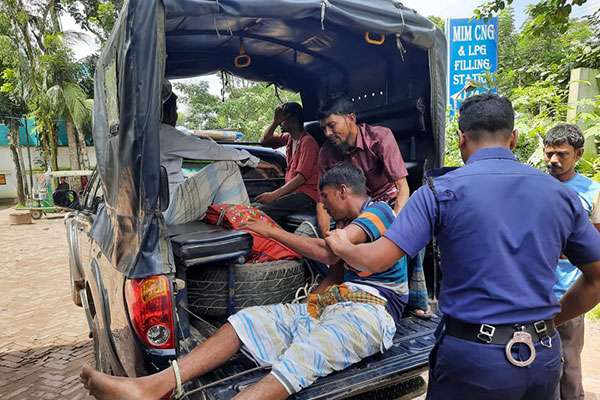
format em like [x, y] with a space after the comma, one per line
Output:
[201, 105]
[12, 108]
[67, 98]
[247, 106]
[95, 16]
[41, 68]
[545, 14]
[438, 21]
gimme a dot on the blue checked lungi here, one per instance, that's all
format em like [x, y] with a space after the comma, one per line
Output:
[301, 349]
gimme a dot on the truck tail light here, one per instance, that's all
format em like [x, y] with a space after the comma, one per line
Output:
[150, 310]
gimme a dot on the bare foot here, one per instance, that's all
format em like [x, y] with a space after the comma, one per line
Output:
[103, 386]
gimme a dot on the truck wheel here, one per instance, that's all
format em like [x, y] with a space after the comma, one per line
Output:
[100, 356]
[254, 285]
[36, 214]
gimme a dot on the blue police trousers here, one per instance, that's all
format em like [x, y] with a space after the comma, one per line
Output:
[465, 370]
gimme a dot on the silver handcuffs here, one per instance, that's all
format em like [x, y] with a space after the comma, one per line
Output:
[520, 337]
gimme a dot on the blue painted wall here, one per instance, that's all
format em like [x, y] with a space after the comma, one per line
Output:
[33, 137]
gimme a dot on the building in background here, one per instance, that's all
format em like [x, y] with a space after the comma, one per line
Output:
[8, 184]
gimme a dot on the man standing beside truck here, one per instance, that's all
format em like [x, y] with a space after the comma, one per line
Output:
[501, 227]
[563, 146]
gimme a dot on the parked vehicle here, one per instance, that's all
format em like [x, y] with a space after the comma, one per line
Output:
[141, 283]
[44, 193]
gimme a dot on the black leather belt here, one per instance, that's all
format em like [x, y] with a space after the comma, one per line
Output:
[540, 331]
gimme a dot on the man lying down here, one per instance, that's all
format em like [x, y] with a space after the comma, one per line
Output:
[349, 316]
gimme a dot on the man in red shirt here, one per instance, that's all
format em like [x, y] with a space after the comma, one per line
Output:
[373, 149]
[299, 194]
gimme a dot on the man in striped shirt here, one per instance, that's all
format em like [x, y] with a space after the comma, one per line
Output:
[351, 315]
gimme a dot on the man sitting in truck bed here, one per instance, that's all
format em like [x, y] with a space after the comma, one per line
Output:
[219, 182]
[340, 325]
[299, 193]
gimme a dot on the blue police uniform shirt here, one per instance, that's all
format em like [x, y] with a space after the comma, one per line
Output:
[588, 192]
[501, 227]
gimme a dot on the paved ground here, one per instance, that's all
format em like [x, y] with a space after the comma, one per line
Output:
[43, 335]
[44, 339]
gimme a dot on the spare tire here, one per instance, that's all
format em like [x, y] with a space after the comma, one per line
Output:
[254, 285]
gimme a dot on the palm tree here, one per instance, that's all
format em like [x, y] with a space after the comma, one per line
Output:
[70, 101]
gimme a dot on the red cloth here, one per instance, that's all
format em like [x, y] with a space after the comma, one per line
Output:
[377, 154]
[263, 249]
[303, 161]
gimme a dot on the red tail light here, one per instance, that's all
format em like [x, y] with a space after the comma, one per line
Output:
[150, 310]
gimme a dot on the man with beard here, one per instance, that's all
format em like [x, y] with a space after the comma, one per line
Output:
[563, 146]
[299, 193]
[373, 149]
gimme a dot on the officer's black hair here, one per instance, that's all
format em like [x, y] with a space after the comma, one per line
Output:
[345, 174]
[562, 133]
[339, 104]
[296, 111]
[169, 106]
[486, 114]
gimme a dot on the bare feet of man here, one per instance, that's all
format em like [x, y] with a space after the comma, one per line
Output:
[103, 386]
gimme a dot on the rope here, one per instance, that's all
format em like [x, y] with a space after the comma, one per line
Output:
[215, 383]
[324, 3]
[314, 279]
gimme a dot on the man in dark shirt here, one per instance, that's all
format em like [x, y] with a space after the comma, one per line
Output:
[62, 184]
[502, 227]
[371, 148]
[299, 193]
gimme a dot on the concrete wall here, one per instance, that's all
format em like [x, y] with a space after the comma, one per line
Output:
[8, 192]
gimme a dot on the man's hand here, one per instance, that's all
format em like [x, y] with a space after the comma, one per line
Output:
[337, 240]
[267, 197]
[260, 227]
[263, 167]
[280, 115]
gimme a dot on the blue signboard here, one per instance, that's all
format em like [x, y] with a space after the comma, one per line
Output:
[473, 50]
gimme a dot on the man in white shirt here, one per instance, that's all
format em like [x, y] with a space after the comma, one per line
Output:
[218, 182]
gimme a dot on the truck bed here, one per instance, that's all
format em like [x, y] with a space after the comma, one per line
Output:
[407, 358]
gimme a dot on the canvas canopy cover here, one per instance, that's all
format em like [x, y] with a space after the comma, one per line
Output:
[378, 51]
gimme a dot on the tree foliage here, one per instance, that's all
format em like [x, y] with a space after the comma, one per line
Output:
[534, 68]
[246, 107]
[38, 69]
[544, 15]
[95, 16]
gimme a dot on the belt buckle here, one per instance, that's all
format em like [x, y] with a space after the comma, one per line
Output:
[520, 337]
[486, 333]
[540, 328]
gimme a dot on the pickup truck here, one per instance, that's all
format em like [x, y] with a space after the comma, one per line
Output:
[152, 292]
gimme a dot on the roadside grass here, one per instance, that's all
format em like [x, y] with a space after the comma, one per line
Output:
[594, 314]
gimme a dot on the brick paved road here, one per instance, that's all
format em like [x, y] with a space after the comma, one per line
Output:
[43, 339]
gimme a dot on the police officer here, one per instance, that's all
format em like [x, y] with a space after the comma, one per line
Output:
[501, 227]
